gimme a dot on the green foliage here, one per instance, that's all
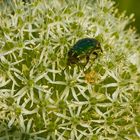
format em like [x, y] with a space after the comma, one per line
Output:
[40, 100]
[131, 6]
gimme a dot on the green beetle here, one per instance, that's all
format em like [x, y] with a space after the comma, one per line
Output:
[83, 48]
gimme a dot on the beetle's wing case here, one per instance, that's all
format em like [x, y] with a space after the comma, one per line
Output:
[84, 46]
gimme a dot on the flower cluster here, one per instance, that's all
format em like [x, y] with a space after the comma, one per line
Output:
[40, 99]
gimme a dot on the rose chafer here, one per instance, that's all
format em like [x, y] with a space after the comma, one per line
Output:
[83, 48]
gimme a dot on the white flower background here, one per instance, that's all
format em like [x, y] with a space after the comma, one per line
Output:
[39, 100]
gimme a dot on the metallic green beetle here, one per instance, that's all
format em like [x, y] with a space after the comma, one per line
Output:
[83, 48]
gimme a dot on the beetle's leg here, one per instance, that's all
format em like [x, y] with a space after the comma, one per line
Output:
[96, 54]
[65, 68]
[101, 50]
[87, 60]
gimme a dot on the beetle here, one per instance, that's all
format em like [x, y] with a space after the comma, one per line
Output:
[83, 48]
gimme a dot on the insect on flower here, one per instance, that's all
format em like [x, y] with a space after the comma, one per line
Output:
[83, 48]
